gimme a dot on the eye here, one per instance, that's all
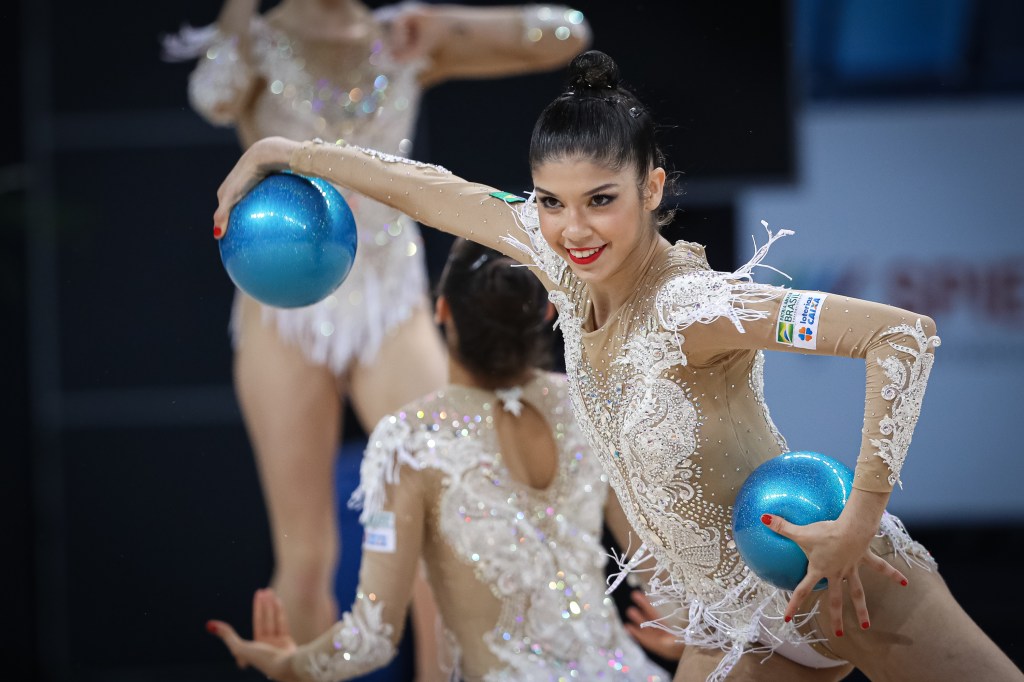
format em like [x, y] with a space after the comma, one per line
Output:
[602, 199]
[549, 202]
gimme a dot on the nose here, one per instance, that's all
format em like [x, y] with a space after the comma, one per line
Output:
[576, 229]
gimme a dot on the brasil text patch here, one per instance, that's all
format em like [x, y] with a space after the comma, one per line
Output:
[799, 315]
[379, 535]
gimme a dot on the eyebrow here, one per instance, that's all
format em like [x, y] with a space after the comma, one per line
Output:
[596, 190]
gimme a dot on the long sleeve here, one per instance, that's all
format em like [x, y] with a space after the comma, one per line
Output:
[366, 637]
[429, 194]
[896, 345]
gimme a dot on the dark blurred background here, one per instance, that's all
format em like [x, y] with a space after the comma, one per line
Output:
[129, 494]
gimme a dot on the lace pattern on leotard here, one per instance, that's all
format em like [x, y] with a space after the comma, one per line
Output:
[908, 380]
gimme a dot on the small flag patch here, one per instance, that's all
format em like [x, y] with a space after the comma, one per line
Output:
[507, 197]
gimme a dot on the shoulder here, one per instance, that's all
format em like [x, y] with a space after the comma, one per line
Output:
[688, 291]
[398, 431]
[429, 432]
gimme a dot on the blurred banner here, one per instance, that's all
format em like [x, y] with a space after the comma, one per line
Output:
[917, 205]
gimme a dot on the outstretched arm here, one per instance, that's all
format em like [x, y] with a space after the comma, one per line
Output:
[428, 194]
[366, 637]
[485, 42]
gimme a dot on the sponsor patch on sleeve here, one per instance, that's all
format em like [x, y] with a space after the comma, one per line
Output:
[799, 315]
[507, 197]
[379, 535]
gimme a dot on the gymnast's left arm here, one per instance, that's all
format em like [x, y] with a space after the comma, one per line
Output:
[898, 349]
[460, 41]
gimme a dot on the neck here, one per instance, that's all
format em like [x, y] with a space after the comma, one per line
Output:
[612, 292]
[458, 374]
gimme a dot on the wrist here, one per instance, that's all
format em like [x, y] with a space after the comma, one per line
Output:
[863, 511]
[274, 153]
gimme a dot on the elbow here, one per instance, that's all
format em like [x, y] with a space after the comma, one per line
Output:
[928, 326]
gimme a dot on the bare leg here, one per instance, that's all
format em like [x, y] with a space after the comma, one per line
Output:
[411, 362]
[918, 632]
[696, 664]
[292, 412]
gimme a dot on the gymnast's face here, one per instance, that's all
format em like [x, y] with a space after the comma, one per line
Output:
[596, 217]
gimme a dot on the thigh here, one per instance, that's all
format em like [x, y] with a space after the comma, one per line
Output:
[292, 412]
[698, 664]
[411, 362]
[918, 632]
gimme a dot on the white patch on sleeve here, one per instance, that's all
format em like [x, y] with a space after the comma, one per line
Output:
[379, 533]
[798, 320]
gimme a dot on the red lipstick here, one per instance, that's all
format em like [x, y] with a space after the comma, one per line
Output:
[589, 259]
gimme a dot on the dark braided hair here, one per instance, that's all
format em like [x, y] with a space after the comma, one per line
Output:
[499, 312]
[597, 119]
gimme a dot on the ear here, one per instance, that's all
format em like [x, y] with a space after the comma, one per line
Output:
[442, 311]
[654, 188]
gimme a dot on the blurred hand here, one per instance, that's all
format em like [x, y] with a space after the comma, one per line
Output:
[654, 640]
[413, 31]
[271, 648]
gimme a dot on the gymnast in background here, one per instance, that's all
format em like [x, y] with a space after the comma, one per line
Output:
[491, 482]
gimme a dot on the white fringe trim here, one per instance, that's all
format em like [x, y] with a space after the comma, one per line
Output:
[747, 618]
[335, 332]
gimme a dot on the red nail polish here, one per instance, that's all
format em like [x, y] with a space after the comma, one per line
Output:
[211, 627]
[865, 625]
[788, 618]
[839, 633]
[903, 582]
[766, 519]
[217, 231]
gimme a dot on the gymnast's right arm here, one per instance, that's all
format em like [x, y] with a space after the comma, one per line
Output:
[428, 194]
[366, 637]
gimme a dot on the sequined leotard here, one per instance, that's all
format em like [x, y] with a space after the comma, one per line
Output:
[352, 92]
[517, 572]
[669, 390]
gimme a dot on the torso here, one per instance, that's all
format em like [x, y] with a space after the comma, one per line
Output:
[347, 89]
[517, 571]
[677, 438]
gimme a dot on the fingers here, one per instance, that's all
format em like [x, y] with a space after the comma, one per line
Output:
[835, 605]
[644, 606]
[230, 638]
[801, 592]
[262, 616]
[882, 566]
[779, 525]
[857, 596]
[280, 616]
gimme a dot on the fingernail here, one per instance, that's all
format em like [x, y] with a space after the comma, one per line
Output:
[766, 519]
[211, 627]
[217, 231]
[788, 618]
[903, 582]
[865, 625]
[839, 633]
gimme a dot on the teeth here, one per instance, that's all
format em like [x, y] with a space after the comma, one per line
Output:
[584, 253]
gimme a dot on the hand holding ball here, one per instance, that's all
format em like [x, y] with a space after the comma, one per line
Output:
[291, 241]
[801, 487]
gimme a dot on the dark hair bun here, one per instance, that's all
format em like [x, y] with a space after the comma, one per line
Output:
[593, 70]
